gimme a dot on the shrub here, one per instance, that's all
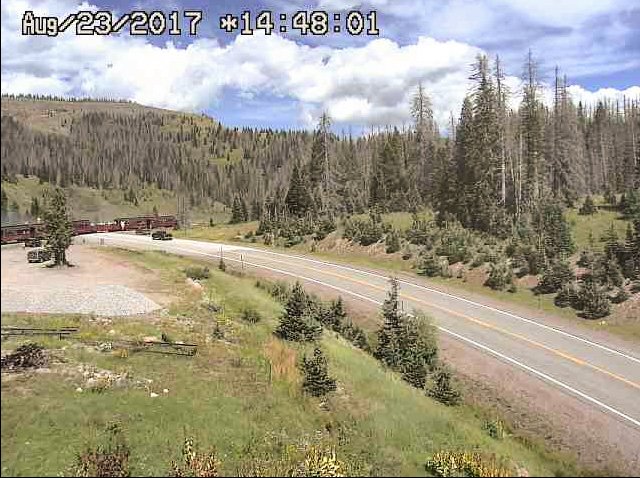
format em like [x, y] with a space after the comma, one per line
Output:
[495, 428]
[588, 207]
[431, 265]
[621, 296]
[197, 273]
[447, 463]
[444, 388]
[500, 277]
[556, 276]
[316, 375]
[109, 460]
[251, 315]
[393, 242]
[567, 296]
[594, 302]
[587, 259]
[195, 463]
[454, 245]
[323, 463]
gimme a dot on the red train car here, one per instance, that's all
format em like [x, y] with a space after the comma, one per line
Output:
[146, 222]
[83, 226]
[165, 221]
[107, 227]
[21, 232]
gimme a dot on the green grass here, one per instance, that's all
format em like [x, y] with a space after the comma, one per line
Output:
[580, 225]
[224, 396]
[595, 225]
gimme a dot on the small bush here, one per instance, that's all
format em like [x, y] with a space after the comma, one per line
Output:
[393, 242]
[444, 388]
[594, 302]
[251, 315]
[566, 297]
[323, 463]
[195, 463]
[500, 277]
[554, 278]
[620, 296]
[588, 207]
[447, 463]
[197, 273]
[109, 460]
[495, 428]
[431, 265]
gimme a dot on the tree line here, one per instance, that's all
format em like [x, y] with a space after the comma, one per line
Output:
[495, 166]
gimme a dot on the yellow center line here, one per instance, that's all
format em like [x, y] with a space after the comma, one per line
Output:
[469, 318]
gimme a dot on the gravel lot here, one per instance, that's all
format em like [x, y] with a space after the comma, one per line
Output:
[97, 285]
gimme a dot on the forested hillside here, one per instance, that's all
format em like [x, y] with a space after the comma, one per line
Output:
[494, 165]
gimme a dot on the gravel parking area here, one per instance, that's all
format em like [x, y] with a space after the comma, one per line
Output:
[108, 300]
[98, 284]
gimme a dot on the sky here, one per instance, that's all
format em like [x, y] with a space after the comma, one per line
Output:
[286, 80]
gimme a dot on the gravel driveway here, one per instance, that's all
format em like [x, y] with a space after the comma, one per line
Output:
[98, 284]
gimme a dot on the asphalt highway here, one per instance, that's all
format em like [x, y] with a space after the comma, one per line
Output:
[602, 376]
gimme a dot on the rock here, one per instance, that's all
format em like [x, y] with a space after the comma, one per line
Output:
[153, 395]
[112, 331]
[151, 340]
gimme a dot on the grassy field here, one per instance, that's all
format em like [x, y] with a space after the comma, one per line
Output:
[240, 394]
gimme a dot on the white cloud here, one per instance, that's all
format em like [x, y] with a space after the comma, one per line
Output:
[366, 85]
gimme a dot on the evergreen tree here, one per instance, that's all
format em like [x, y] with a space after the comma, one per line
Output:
[237, 212]
[4, 201]
[557, 275]
[484, 158]
[337, 314]
[554, 231]
[59, 229]
[594, 302]
[444, 388]
[419, 350]
[393, 242]
[298, 323]
[298, 199]
[35, 210]
[391, 333]
[317, 381]
[588, 207]
[531, 182]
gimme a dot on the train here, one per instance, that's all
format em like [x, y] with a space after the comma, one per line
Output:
[24, 232]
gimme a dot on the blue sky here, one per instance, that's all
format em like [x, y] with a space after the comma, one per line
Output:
[288, 80]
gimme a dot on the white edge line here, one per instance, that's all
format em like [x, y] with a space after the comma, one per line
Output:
[533, 322]
[461, 337]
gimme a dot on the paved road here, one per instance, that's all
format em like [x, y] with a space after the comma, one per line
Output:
[601, 376]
